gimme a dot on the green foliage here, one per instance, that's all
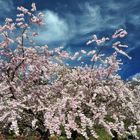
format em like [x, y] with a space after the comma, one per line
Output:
[62, 138]
[103, 135]
[109, 119]
[139, 133]
[53, 138]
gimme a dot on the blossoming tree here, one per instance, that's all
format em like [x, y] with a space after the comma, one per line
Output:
[41, 93]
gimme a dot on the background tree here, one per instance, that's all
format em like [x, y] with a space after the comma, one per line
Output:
[39, 92]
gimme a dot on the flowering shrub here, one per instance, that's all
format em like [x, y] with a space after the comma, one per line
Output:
[41, 93]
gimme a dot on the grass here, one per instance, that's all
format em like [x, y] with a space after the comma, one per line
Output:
[102, 134]
[100, 131]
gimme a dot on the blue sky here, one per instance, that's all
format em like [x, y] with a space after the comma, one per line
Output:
[72, 22]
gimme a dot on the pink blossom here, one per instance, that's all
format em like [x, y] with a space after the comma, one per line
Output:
[33, 7]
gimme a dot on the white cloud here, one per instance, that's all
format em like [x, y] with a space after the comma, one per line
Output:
[90, 20]
[55, 29]
[135, 77]
[134, 19]
[6, 6]
[94, 20]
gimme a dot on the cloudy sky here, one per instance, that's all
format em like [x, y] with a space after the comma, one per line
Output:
[72, 22]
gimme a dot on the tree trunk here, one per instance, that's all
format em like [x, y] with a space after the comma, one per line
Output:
[45, 135]
[74, 135]
[115, 135]
[131, 137]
